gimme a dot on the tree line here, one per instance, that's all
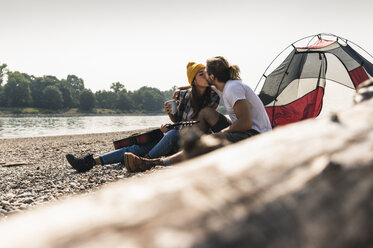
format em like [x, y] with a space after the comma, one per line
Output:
[48, 92]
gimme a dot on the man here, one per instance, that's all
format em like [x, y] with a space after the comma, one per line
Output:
[246, 111]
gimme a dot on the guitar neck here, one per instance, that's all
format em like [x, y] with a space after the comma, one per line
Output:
[183, 123]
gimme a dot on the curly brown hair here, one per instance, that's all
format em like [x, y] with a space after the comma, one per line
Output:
[222, 70]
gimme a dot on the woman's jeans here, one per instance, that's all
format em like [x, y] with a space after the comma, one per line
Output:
[168, 145]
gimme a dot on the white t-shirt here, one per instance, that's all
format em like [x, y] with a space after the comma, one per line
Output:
[235, 90]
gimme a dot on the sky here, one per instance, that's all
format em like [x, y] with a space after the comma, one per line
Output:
[149, 43]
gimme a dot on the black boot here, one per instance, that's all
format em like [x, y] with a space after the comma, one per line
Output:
[81, 164]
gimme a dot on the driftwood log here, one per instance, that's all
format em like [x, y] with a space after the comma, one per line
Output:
[304, 185]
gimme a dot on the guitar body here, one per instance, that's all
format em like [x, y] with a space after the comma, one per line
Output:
[139, 139]
[146, 137]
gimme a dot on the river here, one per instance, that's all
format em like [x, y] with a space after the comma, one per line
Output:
[21, 127]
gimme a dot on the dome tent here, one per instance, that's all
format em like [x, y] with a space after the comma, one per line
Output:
[294, 90]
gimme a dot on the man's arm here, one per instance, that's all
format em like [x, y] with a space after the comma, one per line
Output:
[244, 121]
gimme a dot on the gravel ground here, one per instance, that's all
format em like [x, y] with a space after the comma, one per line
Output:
[46, 175]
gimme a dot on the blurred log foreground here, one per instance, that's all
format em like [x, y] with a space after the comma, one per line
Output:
[304, 185]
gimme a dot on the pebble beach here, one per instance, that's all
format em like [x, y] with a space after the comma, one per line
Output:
[34, 171]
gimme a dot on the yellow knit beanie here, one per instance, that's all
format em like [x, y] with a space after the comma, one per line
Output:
[192, 69]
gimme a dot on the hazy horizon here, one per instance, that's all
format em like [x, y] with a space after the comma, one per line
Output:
[149, 43]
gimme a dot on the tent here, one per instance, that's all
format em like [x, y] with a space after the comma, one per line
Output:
[294, 90]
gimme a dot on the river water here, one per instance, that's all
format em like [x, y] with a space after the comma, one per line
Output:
[20, 127]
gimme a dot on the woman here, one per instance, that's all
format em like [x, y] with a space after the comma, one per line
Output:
[190, 103]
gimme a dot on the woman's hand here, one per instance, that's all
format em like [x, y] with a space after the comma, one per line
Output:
[164, 128]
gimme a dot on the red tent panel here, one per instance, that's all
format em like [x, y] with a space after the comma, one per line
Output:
[308, 106]
[358, 76]
[320, 43]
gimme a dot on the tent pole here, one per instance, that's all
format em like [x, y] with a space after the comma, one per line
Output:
[292, 44]
[278, 89]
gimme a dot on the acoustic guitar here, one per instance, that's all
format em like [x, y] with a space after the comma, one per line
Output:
[146, 137]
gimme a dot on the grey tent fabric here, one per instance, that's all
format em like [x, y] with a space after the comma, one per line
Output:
[294, 90]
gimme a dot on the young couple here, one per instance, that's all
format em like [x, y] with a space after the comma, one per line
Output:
[246, 111]
[247, 116]
[190, 103]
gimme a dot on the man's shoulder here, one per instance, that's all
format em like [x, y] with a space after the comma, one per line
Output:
[235, 82]
[238, 84]
[233, 86]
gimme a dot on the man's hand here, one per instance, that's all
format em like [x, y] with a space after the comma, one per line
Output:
[176, 94]
[167, 108]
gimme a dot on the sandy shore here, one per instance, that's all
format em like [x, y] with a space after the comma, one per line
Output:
[46, 175]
